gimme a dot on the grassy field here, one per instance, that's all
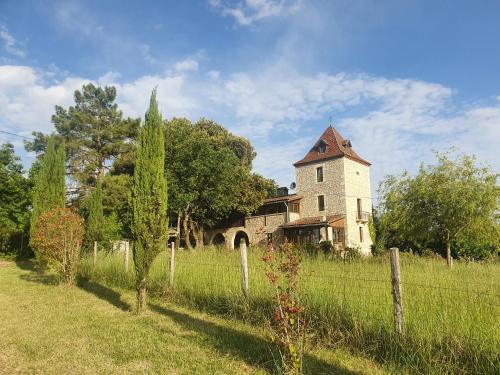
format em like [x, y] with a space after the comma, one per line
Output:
[88, 329]
[451, 316]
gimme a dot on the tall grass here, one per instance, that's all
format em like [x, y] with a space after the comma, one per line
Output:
[451, 316]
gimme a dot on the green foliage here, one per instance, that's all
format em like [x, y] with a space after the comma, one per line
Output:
[116, 201]
[49, 190]
[455, 199]
[58, 236]
[209, 176]
[149, 198]
[14, 198]
[95, 223]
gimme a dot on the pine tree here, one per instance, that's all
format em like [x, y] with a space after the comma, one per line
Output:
[149, 198]
[50, 187]
[95, 230]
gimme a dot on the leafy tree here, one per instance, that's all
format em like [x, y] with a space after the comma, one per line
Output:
[149, 198]
[14, 197]
[50, 187]
[209, 176]
[95, 133]
[58, 237]
[116, 201]
[441, 205]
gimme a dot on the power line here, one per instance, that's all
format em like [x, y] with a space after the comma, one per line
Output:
[16, 135]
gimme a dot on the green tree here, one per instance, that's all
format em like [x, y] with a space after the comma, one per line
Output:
[116, 201]
[209, 176]
[149, 198]
[95, 224]
[95, 133]
[14, 198]
[50, 186]
[442, 205]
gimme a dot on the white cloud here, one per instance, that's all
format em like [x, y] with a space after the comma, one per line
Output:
[213, 74]
[248, 12]
[394, 123]
[9, 42]
[187, 65]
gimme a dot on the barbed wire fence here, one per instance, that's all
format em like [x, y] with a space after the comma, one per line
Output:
[388, 298]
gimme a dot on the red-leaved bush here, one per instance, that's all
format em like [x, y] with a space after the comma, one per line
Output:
[58, 236]
[288, 326]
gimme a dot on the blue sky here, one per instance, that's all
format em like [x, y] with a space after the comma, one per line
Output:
[399, 78]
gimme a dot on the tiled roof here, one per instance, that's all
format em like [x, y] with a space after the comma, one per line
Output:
[312, 221]
[335, 147]
[284, 198]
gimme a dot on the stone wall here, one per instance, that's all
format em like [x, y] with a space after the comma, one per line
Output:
[260, 226]
[357, 185]
[332, 188]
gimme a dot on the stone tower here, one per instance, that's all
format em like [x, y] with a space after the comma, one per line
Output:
[334, 181]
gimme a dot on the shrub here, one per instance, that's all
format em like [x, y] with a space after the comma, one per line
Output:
[351, 253]
[326, 247]
[58, 236]
[288, 324]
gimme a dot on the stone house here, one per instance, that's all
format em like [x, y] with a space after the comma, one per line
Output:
[332, 202]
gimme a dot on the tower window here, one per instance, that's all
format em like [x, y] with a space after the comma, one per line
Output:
[322, 148]
[360, 208]
[319, 174]
[321, 202]
[360, 234]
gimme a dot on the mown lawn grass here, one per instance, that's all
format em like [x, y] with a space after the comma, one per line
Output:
[88, 329]
[451, 316]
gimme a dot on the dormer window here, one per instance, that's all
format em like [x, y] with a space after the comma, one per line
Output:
[322, 148]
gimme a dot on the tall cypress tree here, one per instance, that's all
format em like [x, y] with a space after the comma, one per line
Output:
[149, 198]
[50, 186]
[95, 219]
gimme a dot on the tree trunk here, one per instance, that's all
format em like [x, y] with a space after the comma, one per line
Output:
[141, 295]
[197, 233]
[449, 259]
[185, 225]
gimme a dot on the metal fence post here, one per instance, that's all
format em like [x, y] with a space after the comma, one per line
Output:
[397, 293]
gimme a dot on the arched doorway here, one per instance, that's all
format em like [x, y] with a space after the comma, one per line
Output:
[237, 238]
[218, 240]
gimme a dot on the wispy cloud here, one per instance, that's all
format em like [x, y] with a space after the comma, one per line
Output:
[248, 12]
[187, 65]
[10, 44]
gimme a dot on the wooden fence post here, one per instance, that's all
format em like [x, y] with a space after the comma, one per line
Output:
[127, 246]
[172, 264]
[244, 267]
[397, 293]
[95, 252]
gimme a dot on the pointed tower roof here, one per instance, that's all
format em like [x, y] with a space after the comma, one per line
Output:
[331, 145]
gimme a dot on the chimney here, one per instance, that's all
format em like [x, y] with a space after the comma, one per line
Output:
[282, 191]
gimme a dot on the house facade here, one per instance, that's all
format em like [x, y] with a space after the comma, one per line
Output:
[332, 202]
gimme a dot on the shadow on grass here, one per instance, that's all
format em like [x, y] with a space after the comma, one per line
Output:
[35, 277]
[253, 350]
[26, 265]
[103, 292]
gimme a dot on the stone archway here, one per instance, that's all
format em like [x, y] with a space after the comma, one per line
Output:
[241, 234]
[218, 239]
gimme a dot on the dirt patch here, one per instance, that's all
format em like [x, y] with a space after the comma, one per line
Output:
[4, 263]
